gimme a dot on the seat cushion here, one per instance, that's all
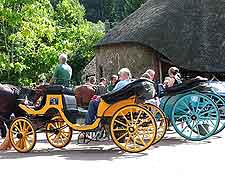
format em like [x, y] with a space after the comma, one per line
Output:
[186, 86]
[135, 88]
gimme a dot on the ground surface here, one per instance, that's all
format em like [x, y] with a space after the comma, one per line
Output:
[173, 155]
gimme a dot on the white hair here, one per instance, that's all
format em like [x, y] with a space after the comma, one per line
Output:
[63, 58]
[125, 71]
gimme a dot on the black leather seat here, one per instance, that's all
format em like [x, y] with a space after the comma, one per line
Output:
[59, 89]
[193, 84]
[136, 88]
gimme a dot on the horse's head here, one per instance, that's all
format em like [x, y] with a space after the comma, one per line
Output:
[27, 93]
[31, 94]
[40, 91]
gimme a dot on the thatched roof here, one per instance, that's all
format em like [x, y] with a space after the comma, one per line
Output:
[191, 33]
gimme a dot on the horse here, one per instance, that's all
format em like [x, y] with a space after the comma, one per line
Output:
[10, 96]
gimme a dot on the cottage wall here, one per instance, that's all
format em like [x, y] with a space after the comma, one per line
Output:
[138, 58]
[89, 70]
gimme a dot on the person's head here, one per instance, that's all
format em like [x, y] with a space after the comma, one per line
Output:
[114, 79]
[124, 74]
[92, 80]
[167, 81]
[146, 75]
[103, 81]
[151, 73]
[62, 58]
[173, 71]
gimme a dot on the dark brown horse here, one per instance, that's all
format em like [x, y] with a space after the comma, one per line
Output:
[10, 96]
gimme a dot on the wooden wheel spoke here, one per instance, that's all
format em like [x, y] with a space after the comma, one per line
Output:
[144, 121]
[141, 140]
[61, 138]
[21, 146]
[131, 116]
[125, 118]
[127, 141]
[14, 132]
[51, 135]
[135, 143]
[53, 126]
[29, 133]
[122, 136]
[62, 127]
[24, 126]
[18, 143]
[120, 123]
[20, 126]
[27, 142]
[138, 117]
[65, 132]
[55, 138]
[64, 135]
[17, 128]
[120, 129]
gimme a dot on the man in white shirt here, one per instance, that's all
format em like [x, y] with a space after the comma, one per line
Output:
[125, 78]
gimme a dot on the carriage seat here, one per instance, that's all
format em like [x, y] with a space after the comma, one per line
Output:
[59, 89]
[139, 88]
[193, 84]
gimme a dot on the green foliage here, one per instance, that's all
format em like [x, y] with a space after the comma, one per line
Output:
[33, 33]
[112, 10]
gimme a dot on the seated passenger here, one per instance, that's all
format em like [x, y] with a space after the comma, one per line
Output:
[150, 75]
[124, 77]
[167, 82]
[112, 84]
[101, 87]
[174, 77]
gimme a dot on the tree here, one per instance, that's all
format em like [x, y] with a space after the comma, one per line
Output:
[34, 33]
[132, 5]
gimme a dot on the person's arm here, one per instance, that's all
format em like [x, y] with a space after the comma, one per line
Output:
[118, 86]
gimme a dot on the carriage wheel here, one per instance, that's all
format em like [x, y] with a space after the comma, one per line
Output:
[22, 135]
[195, 117]
[221, 106]
[58, 133]
[161, 121]
[133, 128]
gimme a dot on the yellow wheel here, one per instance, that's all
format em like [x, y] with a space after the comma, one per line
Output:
[58, 133]
[133, 128]
[161, 121]
[22, 135]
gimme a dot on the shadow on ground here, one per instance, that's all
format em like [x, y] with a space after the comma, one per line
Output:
[82, 153]
[98, 151]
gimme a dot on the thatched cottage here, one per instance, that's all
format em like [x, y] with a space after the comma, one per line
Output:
[186, 33]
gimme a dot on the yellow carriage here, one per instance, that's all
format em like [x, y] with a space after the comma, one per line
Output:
[132, 123]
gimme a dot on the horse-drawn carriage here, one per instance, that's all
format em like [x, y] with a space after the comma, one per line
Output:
[194, 109]
[132, 123]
